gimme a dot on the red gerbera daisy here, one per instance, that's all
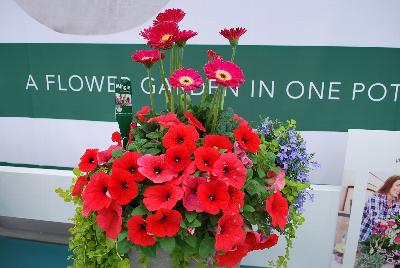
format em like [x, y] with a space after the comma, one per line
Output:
[181, 135]
[218, 141]
[140, 115]
[233, 34]
[183, 36]
[162, 35]
[212, 56]
[231, 258]
[277, 207]
[190, 199]
[256, 242]
[173, 14]
[164, 222]
[96, 196]
[147, 57]
[189, 170]
[213, 196]
[122, 189]
[225, 73]
[205, 158]
[88, 160]
[137, 232]
[167, 120]
[116, 137]
[229, 232]
[236, 201]
[79, 184]
[127, 166]
[230, 169]
[110, 220]
[178, 157]
[155, 169]
[162, 196]
[247, 138]
[188, 79]
[193, 121]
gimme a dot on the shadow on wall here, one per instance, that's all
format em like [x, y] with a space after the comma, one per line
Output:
[91, 17]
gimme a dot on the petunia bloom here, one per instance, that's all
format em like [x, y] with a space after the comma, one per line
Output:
[213, 196]
[193, 121]
[205, 157]
[127, 166]
[106, 155]
[162, 196]
[188, 79]
[230, 259]
[242, 155]
[155, 168]
[247, 138]
[229, 169]
[229, 232]
[167, 120]
[122, 188]
[276, 181]
[137, 232]
[80, 183]
[164, 223]
[220, 142]
[147, 57]
[178, 157]
[190, 200]
[236, 201]
[225, 73]
[162, 35]
[96, 196]
[256, 242]
[171, 14]
[181, 135]
[233, 34]
[110, 220]
[88, 160]
[141, 114]
[116, 137]
[184, 174]
[277, 207]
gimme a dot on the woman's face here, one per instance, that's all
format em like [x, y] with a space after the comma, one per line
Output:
[395, 190]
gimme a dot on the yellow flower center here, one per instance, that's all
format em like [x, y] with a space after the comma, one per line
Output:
[165, 37]
[186, 80]
[223, 75]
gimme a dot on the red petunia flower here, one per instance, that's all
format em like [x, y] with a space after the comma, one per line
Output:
[181, 135]
[105, 156]
[116, 137]
[225, 73]
[162, 35]
[205, 157]
[233, 34]
[127, 166]
[230, 169]
[122, 189]
[89, 160]
[155, 168]
[229, 232]
[277, 207]
[218, 141]
[164, 222]
[183, 36]
[256, 242]
[236, 118]
[173, 14]
[194, 122]
[190, 199]
[147, 57]
[276, 181]
[188, 79]
[81, 182]
[247, 138]
[96, 196]
[231, 258]
[137, 232]
[236, 201]
[212, 56]
[110, 220]
[162, 196]
[140, 115]
[184, 174]
[167, 120]
[178, 157]
[213, 196]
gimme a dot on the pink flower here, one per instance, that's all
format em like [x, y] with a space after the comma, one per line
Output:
[212, 56]
[397, 239]
[183, 36]
[230, 169]
[190, 200]
[225, 73]
[105, 156]
[233, 34]
[155, 169]
[242, 155]
[147, 57]
[162, 35]
[171, 14]
[276, 181]
[188, 79]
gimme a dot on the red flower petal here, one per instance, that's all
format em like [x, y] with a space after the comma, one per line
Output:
[140, 115]
[110, 220]
[137, 232]
[127, 166]
[218, 141]
[164, 222]
[162, 196]
[193, 121]
[277, 207]
[205, 157]
[122, 189]
[178, 157]
[213, 196]
[230, 169]
[167, 120]
[79, 184]
[188, 79]
[229, 233]
[247, 139]
[95, 196]
[88, 160]
[225, 73]
[181, 135]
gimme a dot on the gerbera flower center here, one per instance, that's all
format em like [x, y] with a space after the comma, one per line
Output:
[165, 37]
[157, 170]
[223, 75]
[132, 169]
[186, 80]
[211, 197]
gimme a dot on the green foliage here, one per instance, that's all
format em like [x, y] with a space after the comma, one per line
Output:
[226, 124]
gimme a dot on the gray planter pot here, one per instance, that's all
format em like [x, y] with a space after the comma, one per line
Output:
[162, 260]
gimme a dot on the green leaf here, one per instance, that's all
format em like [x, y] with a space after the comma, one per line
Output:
[191, 240]
[249, 173]
[206, 246]
[248, 208]
[124, 263]
[149, 251]
[274, 169]
[76, 172]
[117, 153]
[122, 235]
[167, 244]
[183, 224]
[139, 210]
[153, 151]
[132, 147]
[153, 135]
[261, 172]
[195, 223]
[190, 216]
[123, 247]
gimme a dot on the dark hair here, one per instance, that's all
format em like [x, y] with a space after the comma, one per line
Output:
[385, 189]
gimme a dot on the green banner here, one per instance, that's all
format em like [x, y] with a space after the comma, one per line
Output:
[323, 88]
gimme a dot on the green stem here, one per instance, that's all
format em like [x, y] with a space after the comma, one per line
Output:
[223, 98]
[185, 102]
[169, 96]
[152, 104]
[181, 61]
[204, 95]
[233, 53]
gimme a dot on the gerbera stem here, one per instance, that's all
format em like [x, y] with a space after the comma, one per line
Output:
[223, 98]
[169, 97]
[151, 92]
[185, 102]
[181, 60]
[233, 53]
[204, 95]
